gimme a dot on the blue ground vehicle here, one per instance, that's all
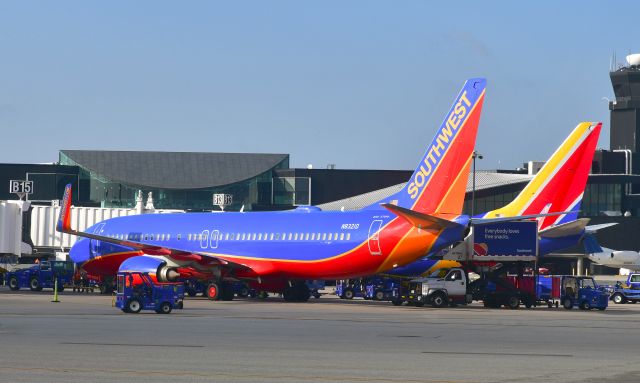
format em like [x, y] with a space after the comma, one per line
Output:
[582, 292]
[620, 294]
[138, 291]
[379, 288]
[42, 275]
[349, 288]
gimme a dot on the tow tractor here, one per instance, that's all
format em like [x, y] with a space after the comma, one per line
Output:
[577, 291]
[42, 275]
[138, 291]
[628, 292]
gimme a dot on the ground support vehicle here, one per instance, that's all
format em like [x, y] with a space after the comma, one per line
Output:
[42, 275]
[380, 288]
[577, 291]
[509, 291]
[633, 281]
[400, 292]
[85, 283]
[621, 293]
[138, 291]
[315, 286]
[349, 288]
[444, 287]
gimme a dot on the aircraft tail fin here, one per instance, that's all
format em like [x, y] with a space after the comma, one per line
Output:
[438, 184]
[64, 218]
[560, 183]
[591, 245]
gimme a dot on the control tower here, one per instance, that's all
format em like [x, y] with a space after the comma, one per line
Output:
[625, 110]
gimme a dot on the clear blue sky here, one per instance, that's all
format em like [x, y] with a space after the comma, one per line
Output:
[362, 84]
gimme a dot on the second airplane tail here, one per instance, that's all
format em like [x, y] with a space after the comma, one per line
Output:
[438, 184]
[560, 183]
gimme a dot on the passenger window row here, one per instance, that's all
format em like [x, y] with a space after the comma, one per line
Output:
[238, 237]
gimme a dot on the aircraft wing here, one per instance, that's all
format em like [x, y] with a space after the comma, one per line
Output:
[64, 226]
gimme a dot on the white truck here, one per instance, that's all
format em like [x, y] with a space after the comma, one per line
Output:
[442, 288]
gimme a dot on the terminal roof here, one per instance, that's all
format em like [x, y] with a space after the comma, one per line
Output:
[175, 170]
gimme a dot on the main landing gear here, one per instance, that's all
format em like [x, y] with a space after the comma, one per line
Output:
[219, 291]
[297, 292]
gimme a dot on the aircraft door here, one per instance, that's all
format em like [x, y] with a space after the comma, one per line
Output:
[204, 241]
[374, 237]
[95, 245]
[214, 238]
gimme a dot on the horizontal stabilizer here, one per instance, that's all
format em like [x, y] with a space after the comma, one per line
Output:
[566, 229]
[420, 220]
[594, 228]
[482, 221]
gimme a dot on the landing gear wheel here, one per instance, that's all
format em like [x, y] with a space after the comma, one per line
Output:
[227, 292]
[34, 284]
[213, 291]
[243, 293]
[299, 292]
[13, 284]
[439, 300]
[133, 306]
[379, 295]
[288, 294]
[513, 302]
[348, 294]
[567, 303]
[164, 308]
[618, 299]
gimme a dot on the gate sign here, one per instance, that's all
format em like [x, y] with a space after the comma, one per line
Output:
[502, 240]
[20, 187]
[222, 199]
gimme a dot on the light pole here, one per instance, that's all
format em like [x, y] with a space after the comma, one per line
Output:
[475, 155]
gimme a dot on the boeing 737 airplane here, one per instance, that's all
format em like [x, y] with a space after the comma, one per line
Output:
[277, 251]
[555, 193]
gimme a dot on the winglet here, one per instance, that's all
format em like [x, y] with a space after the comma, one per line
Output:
[420, 220]
[64, 219]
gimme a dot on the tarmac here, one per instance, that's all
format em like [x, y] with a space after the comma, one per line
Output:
[84, 339]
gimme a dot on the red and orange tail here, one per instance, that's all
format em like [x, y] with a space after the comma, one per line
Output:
[64, 219]
[439, 182]
[559, 185]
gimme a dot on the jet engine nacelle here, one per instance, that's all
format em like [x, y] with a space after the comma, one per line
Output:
[151, 265]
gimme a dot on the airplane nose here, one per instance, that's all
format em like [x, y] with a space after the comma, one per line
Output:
[79, 252]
